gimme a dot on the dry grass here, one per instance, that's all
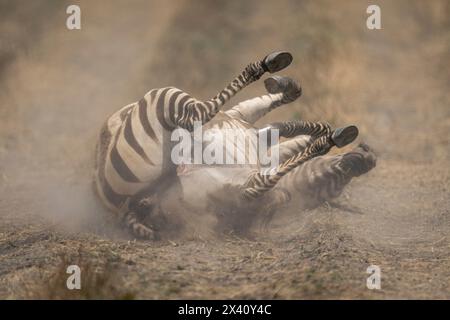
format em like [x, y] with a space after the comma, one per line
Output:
[98, 281]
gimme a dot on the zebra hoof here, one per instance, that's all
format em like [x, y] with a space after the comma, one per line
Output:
[143, 232]
[289, 87]
[277, 61]
[147, 203]
[344, 136]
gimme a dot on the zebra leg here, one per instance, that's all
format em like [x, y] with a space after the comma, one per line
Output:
[290, 89]
[134, 224]
[282, 90]
[289, 129]
[293, 146]
[137, 228]
[253, 109]
[259, 183]
[307, 130]
[193, 110]
[146, 207]
[150, 210]
[146, 204]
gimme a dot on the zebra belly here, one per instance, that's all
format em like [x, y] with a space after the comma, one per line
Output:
[198, 183]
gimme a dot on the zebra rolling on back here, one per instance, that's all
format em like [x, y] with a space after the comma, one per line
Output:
[133, 150]
[133, 165]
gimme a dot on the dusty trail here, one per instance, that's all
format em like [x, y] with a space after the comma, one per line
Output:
[396, 217]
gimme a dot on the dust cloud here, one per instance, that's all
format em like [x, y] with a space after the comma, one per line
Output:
[58, 87]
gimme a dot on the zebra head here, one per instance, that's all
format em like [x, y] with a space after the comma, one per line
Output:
[360, 160]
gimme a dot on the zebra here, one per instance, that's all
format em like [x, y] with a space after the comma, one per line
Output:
[132, 164]
[238, 194]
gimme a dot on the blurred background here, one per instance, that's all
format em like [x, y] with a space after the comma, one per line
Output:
[57, 86]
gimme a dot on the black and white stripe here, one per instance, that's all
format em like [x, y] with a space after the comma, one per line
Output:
[133, 150]
[324, 178]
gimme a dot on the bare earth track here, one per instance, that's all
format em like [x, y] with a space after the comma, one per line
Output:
[58, 87]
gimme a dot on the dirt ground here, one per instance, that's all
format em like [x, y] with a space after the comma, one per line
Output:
[58, 86]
